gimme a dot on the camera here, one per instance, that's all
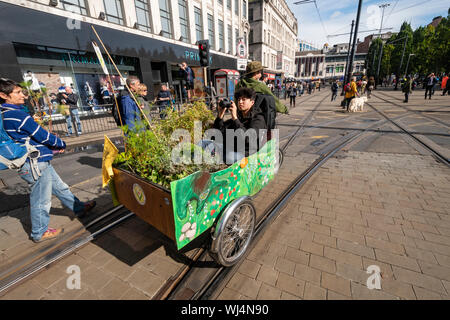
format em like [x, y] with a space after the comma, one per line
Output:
[225, 103]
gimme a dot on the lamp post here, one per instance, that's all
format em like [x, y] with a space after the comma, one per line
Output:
[407, 63]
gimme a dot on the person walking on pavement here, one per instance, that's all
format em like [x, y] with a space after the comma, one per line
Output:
[334, 90]
[444, 84]
[251, 78]
[292, 96]
[143, 101]
[430, 82]
[40, 176]
[370, 86]
[407, 88]
[71, 100]
[351, 91]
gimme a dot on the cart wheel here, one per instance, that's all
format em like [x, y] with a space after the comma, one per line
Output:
[233, 232]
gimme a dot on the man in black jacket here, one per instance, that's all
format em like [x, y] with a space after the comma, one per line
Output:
[71, 99]
[244, 116]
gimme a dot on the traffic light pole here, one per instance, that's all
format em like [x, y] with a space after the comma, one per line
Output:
[355, 38]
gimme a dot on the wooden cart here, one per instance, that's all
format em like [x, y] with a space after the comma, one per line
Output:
[202, 200]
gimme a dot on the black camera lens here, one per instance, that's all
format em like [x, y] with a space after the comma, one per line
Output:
[225, 103]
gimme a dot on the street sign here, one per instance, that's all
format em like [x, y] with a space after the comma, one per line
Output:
[241, 64]
[241, 49]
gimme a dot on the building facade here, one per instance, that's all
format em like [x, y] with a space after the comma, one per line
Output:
[53, 38]
[336, 62]
[273, 35]
[310, 64]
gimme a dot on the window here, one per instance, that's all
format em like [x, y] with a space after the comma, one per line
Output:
[250, 37]
[75, 6]
[220, 2]
[236, 32]
[244, 8]
[211, 31]
[142, 14]
[198, 24]
[166, 20]
[184, 20]
[230, 38]
[229, 4]
[113, 11]
[221, 36]
[236, 6]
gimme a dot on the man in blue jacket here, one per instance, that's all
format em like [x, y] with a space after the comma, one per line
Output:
[41, 177]
[131, 114]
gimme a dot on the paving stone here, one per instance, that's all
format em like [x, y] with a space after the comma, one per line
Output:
[355, 248]
[250, 268]
[331, 295]
[398, 289]
[343, 257]
[322, 263]
[307, 273]
[288, 296]
[297, 256]
[267, 292]
[324, 240]
[420, 254]
[285, 266]
[311, 247]
[146, 281]
[267, 275]
[418, 279]
[229, 294]
[291, 285]
[398, 260]
[362, 292]
[314, 292]
[435, 270]
[423, 294]
[134, 294]
[385, 245]
[114, 289]
[335, 283]
[32, 291]
[245, 285]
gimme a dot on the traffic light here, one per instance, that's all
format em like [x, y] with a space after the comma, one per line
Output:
[203, 52]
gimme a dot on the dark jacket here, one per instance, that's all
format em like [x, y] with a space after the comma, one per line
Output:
[72, 100]
[131, 115]
[255, 120]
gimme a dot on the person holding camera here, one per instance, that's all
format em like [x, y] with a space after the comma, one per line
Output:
[245, 115]
[188, 78]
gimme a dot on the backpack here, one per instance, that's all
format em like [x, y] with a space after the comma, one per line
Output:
[13, 154]
[266, 103]
[116, 105]
[348, 87]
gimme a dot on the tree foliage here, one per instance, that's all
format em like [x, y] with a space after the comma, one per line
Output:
[427, 48]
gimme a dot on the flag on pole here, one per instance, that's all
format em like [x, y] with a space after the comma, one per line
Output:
[110, 153]
[100, 58]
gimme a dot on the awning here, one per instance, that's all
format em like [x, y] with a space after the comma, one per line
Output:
[223, 72]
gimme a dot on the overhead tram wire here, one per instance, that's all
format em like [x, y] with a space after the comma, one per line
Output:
[318, 12]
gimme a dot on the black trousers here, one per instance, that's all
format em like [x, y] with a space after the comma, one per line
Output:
[429, 91]
[347, 102]
[406, 96]
[333, 95]
[292, 100]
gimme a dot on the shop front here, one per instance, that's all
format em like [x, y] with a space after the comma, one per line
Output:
[59, 56]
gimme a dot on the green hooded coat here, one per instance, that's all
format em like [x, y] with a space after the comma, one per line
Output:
[261, 87]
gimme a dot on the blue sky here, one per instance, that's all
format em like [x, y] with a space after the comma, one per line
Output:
[337, 16]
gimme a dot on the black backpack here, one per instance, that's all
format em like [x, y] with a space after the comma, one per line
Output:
[266, 103]
[115, 114]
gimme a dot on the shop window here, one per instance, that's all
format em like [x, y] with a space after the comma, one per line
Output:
[143, 15]
[113, 11]
[166, 19]
[184, 20]
[198, 23]
[236, 6]
[229, 4]
[244, 9]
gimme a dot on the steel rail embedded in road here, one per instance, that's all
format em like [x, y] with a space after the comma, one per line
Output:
[35, 262]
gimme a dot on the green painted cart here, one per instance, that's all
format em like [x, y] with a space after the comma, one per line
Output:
[219, 201]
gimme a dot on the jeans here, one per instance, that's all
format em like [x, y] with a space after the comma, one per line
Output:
[163, 111]
[333, 95]
[73, 112]
[41, 196]
[292, 100]
[429, 90]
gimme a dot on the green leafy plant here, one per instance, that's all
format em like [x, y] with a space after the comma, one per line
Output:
[149, 151]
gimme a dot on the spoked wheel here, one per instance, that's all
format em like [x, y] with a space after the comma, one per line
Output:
[233, 232]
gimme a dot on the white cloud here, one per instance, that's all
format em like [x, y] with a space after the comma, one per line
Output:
[335, 14]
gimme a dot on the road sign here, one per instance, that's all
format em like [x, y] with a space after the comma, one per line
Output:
[241, 64]
[241, 49]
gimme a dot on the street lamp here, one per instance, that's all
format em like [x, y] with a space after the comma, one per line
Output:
[406, 70]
